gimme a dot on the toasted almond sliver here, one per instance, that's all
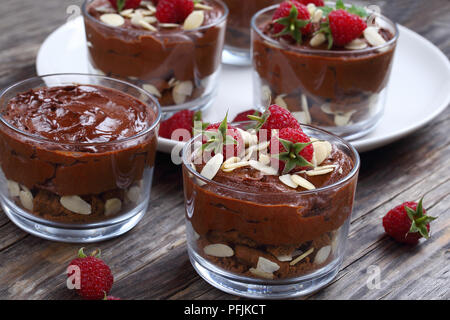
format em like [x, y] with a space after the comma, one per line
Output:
[218, 250]
[194, 20]
[263, 168]
[181, 91]
[76, 204]
[319, 172]
[334, 166]
[150, 19]
[284, 258]
[306, 109]
[317, 15]
[211, 168]
[168, 25]
[311, 8]
[152, 89]
[356, 44]
[134, 193]
[126, 13]
[287, 180]
[246, 136]
[264, 159]
[301, 257]
[231, 166]
[342, 119]
[261, 274]
[300, 116]
[267, 265]
[26, 199]
[230, 161]
[144, 24]
[302, 182]
[263, 145]
[322, 150]
[279, 100]
[112, 19]
[373, 37]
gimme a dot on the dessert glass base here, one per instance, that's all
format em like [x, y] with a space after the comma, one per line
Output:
[236, 57]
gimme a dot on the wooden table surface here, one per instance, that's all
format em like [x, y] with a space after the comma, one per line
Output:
[151, 261]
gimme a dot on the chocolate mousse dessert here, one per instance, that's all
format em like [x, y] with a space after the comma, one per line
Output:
[274, 203]
[171, 48]
[329, 65]
[76, 153]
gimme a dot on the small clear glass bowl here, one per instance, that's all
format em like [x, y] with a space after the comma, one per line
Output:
[343, 92]
[180, 68]
[114, 177]
[260, 225]
[237, 37]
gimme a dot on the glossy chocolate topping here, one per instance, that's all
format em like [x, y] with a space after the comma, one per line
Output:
[78, 113]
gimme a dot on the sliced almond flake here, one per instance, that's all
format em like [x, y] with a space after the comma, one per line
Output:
[279, 100]
[301, 257]
[334, 166]
[202, 6]
[262, 168]
[266, 93]
[181, 91]
[317, 40]
[194, 20]
[261, 274]
[263, 145]
[249, 153]
[26, 199]
[211, 168]
[150, 7]
[144, 12]
[284, 258]
[219, 250]
[105, 9]
[127, 13]
[144, 24]
[322, 150]
[317, 16]
[172, 82]
[133, 194]
[152, 90]
[311, 8]
[340, 170]
[267, 265]
[373, 37]
[322, 255]
[264, 159]
[342, 119]
[13, 188]
[112, 19]
[326, 108]
[112, 206]
[319, 172]
[231, 160]
[356, 44]
[168, 25]
[246, 136]
[76, 204]
[287, 180]
[232, 166]
[150, 20]
[302, 182]
[300, 116]
[306, 109]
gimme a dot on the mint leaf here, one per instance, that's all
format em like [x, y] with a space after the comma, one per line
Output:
[340, 4]
[359, 11]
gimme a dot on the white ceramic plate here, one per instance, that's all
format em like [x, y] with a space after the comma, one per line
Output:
[419, 88]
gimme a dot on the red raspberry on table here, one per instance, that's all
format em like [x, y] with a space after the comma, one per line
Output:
[125, 4]
[173, 11]
[291, 20]
[183, 119]
[243, 116]
[408, 222]
[275, 117]
[292, 149]
[223, 138]
[345, 26]
[96, 278]
[318, 3]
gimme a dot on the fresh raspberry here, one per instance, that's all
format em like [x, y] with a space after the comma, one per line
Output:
[275, 117]
[224, 138]
[345, 26]
[408, 222]
[292, 20]
[173, 11]
[292, 149]
[243, 116]
[96, 278]
[183, 119]
[120, 5]
[318, 3]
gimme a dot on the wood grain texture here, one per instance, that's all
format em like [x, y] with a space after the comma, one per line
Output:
[150, 262]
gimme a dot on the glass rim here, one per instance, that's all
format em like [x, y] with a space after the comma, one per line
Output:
[35, 137]
[212, 24]
[349, 176]
[290, 47]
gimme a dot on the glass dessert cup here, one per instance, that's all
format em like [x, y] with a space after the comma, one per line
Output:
[76, 191]
[262, 225]
[179, 67]
[237, 37]
[342, 91]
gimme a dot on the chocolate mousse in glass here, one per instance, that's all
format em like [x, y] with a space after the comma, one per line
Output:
[177, 63]
[257, 232]
[339, 88]
[237, 37]
[76, 155]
